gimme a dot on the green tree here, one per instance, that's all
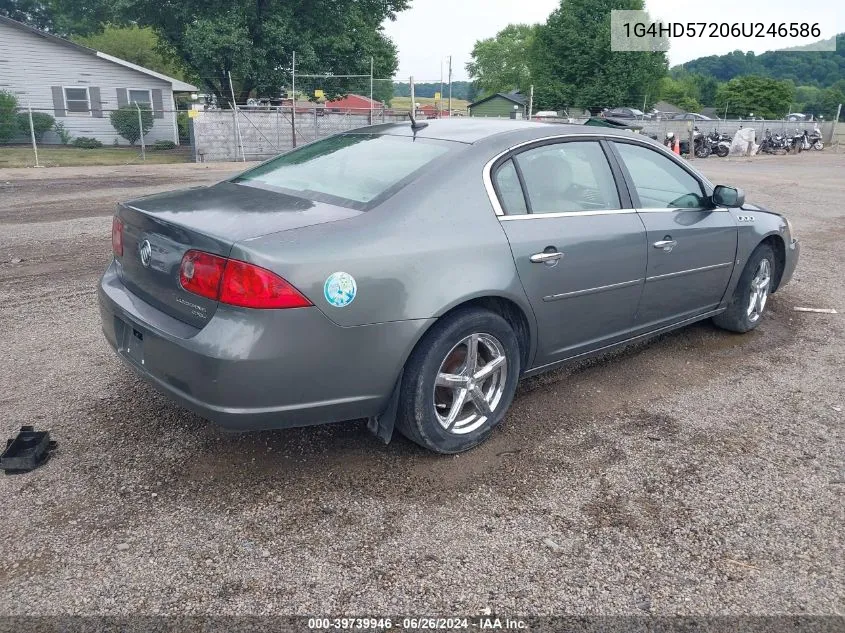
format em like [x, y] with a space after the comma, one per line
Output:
[8, 117]
[125, 122]
[255, 40]
[62, 17]
[500, 63]
[134, 44]
[572, 65]
[762, 96]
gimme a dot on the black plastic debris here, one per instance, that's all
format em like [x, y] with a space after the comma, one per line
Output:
[29, 450]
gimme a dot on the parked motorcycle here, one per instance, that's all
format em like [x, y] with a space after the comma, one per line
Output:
[720, 144]
[772, 143]
[795, 143]
[815, 139]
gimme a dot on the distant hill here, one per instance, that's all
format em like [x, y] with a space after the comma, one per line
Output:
[460, 89]
[806, 68]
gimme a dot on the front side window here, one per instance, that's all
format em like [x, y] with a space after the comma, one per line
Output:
[659, 182]
[76, 101]
[566, 177]
[355, 170]
[141, 97]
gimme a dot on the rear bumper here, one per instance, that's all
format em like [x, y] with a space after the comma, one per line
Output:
[259, 369]
[793, 250]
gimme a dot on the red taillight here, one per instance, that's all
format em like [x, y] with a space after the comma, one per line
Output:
[201, 273]
[117, 237]
[237, 283]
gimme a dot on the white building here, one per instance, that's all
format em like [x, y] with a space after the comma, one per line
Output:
[80, 86]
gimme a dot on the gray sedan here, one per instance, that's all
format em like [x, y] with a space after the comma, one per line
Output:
[410, 275]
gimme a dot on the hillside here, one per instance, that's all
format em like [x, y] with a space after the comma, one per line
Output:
[805, 68]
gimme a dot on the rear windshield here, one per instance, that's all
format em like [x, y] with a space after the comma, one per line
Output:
[354, 170]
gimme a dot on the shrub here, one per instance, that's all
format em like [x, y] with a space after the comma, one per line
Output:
[86, 142]
[8, 120]
[125, 122]
[41, 123]
[163, 144]
[182, 122]
[63, 134]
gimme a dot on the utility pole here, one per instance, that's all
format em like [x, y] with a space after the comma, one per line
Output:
[450, 86]
[293, 100]
[440, 100]
[371, 89]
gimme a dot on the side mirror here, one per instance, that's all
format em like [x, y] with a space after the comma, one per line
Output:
[728, 196]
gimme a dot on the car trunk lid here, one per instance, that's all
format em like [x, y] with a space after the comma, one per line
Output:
[158, 230]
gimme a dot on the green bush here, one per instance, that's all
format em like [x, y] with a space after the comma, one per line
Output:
[182, 122]
[62, 132]
[41, 123]
[86, 142]
[125, 122]
[163, 144]
[8, 119]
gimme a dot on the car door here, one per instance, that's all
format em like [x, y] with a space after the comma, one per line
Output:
[691, 244]
[579, 248]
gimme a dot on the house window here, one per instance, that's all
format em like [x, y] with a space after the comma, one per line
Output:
[141, 97]
[77, 101]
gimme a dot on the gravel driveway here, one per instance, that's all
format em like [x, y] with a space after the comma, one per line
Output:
[701, 472]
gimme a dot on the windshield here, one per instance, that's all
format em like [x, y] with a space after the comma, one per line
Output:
[355, 170]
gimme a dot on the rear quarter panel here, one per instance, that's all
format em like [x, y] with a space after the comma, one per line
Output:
[435, 244]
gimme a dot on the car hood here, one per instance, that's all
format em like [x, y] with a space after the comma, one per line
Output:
[235, 212]
[748, 206]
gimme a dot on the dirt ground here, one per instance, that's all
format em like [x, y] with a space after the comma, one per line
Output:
[700, 473]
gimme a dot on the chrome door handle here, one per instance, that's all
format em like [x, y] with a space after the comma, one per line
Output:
[541, 258]
[666, 245]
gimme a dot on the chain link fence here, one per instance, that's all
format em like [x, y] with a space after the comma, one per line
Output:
[249, 134]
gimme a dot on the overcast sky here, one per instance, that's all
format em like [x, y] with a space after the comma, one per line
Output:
[433, 29]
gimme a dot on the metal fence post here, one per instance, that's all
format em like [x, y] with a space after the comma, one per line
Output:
[32, 133]
[141, 133]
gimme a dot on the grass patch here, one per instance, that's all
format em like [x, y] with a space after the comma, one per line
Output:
[65, 156]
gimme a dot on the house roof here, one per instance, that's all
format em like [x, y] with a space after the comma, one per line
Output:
[177, 84]
[353, 101]
[514, 97]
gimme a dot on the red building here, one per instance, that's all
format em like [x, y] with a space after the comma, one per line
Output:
[353, 103]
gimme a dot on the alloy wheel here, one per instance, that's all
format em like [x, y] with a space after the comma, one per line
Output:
[470, 383]
[759, 290]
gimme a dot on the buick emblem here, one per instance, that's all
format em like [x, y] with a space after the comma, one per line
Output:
[146, 251]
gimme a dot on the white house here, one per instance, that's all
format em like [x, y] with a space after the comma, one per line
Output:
[80, 86]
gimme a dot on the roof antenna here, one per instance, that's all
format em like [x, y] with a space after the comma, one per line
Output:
[413, 111]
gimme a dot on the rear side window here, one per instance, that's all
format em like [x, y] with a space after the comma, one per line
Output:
[510, 191]
[659, 182]
[355, 170]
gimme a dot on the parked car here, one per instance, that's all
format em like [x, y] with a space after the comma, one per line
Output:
[626, 113]
[332, 283]
[796, 116]
[546, 114]
[691, 116]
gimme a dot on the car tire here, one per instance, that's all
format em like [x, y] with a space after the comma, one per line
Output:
[439, 400]
[749, 300]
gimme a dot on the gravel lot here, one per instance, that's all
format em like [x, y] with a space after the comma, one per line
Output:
[699, 473]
